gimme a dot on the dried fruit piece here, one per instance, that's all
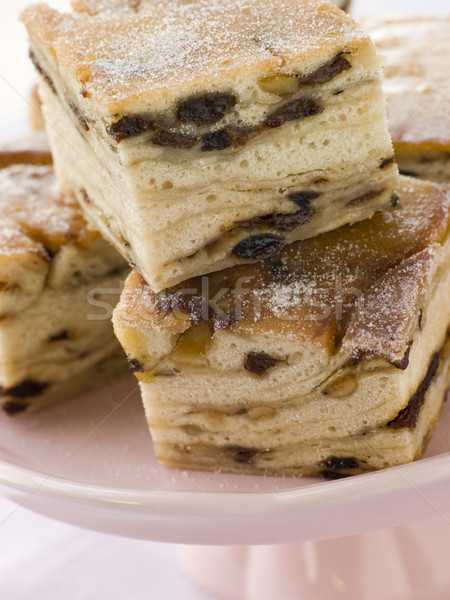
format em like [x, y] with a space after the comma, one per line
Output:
[365, 197]
[303, 198]
[329, 70]
[26, 388]
[135, 365]
[341, 462]
[262, 244]
[292, 111]
[259, 362]
[174, 139]
[332, 475]
[281, 221]
[231, 135]
[206, 109]
[243, 455]
[409, 415]
[386, 162]
[62, 335]
[342, 386]
[41, 71]
[13, 407]
[127, 127]
[282, 85]
[76, 111]
[215, 140]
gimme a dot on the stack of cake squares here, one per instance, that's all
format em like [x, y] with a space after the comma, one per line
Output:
[287, 309]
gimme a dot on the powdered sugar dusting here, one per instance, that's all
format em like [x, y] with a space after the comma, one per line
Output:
[123, 50]
[386, 318]
[417, 77]
[31, 200]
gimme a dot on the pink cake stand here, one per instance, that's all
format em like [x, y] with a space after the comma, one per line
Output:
[381, 536]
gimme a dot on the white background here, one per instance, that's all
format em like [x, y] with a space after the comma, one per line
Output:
[41, 559]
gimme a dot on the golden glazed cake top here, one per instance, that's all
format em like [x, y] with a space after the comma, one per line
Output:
[417, 77]
[33, 212]
[124, 53]
[324, 291]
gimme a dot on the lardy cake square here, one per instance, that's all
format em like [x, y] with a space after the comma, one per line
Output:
[331, 359]
[199, 135]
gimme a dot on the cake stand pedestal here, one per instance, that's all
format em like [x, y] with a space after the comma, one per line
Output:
[404, 563]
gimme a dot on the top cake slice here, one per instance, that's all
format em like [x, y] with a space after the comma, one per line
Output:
[198, 135]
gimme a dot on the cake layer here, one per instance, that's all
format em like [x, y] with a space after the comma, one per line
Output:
[333, 353]
[329, 457]
[170, 163]
[59, 282]
[417, 89]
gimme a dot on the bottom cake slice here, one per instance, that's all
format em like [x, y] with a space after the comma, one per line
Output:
[58, 284]
[331, 358]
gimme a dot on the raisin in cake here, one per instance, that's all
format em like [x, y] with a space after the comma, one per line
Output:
[331, 358]
[58, 283]
[417, 88]
[205, 134]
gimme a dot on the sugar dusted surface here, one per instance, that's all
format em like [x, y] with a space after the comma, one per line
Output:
[139, 309]
[383, 323]
[122, 52]
[33, 208]
[314, 289]
[416, 77]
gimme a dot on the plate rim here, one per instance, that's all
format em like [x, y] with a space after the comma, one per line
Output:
[416, 477]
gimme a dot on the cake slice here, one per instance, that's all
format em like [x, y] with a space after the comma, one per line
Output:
[58, 284]
[331, 359]
[201, 135]
[31, 149]
[417, 88]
